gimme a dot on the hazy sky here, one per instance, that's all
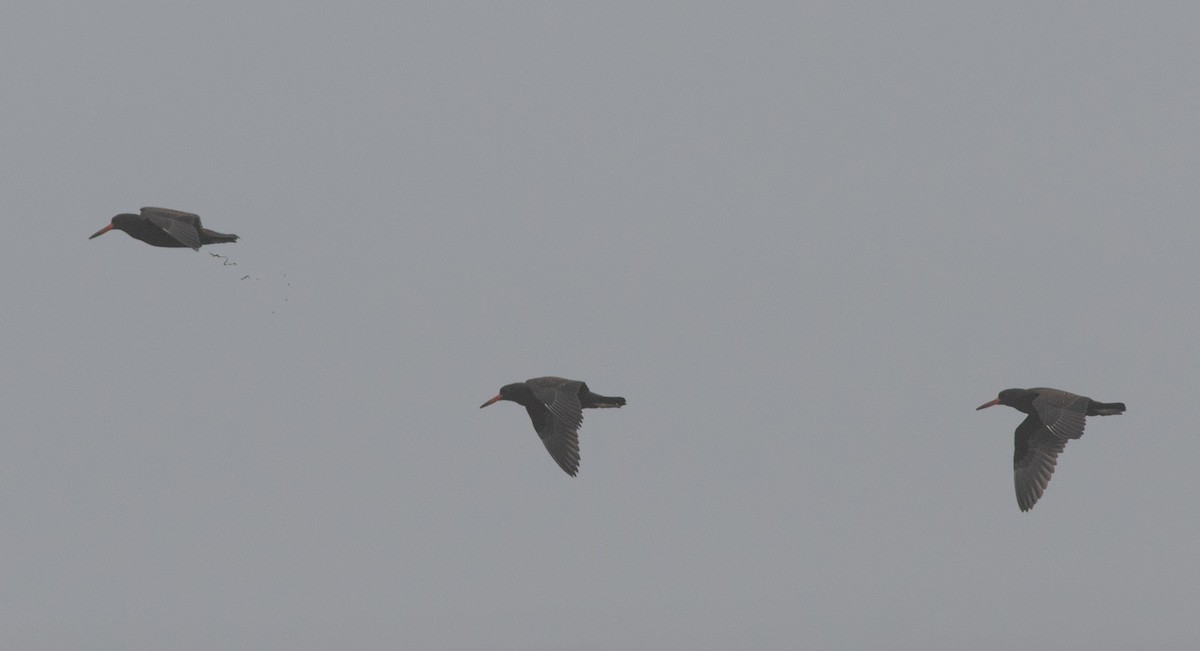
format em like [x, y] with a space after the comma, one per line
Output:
[804, 240]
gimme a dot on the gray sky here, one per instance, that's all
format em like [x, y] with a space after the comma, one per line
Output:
[805, 243]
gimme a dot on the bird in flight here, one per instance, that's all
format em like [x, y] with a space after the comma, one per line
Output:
[1054, 417]
[165, 227]
[555, 406]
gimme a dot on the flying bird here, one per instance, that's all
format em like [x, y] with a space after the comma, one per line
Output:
[1055, 417]
[166, 227]
[555, 406]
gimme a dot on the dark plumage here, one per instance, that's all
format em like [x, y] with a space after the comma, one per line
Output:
[555, 406]
[166, 227]
[1055, 417]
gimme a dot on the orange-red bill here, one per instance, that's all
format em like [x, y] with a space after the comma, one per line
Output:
[102, 231]
[988, 404]
[496, 399]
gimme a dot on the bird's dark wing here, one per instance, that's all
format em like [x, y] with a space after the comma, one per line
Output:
[183, 226]
[168, 212]
[557, 423]
[1034, 457]
[561, 442]
[1061, 412]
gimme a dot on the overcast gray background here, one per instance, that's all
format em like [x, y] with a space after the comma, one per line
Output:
[804, 242]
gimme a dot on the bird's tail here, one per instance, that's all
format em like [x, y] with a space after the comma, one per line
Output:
[1106, 408]
[213, 237]
[597, 400]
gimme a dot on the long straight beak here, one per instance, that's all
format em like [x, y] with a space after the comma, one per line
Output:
[496, 399]
[988, 404]
[102, 231]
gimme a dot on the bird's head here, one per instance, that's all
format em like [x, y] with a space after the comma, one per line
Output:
[508, 392]
[120, 222]
[1007, 397]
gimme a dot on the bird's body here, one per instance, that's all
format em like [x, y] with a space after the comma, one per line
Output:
[555, 406]
[166, 227]
[1054, 417]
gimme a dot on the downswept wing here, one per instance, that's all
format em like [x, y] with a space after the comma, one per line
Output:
[1034, 458]
[183, 226]
[558, 422]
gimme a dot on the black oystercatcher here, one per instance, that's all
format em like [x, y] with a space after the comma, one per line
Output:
[166, 227]
[1054, 418]
[555, 406]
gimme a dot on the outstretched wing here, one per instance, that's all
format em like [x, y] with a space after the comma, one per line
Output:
[183, 226]
[1034, 457]
[1061, 412]
[557, 419]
